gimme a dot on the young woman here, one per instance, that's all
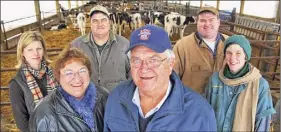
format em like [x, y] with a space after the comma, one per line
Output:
[34, 79]
[238, 93]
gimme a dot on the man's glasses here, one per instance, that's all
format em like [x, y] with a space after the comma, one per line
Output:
[151, 63]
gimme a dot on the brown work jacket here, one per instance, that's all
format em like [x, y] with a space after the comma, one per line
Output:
[195, 61]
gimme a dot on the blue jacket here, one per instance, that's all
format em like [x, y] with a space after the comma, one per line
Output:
[224, 98]
[184, 110]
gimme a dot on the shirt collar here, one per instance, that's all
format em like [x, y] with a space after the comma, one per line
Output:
[136, 101]
[200, 38]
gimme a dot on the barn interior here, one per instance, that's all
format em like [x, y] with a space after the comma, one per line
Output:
[263, 33]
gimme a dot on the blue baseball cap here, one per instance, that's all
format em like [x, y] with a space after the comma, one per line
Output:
[150, 36]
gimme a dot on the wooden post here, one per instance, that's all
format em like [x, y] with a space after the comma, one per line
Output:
[59, 13]
[277, 20]
[201, 3]
[69, 4]
[2, 34]
[233, 14]
[218, 5]
[38, 14]
[154, 4]
[187, 9]
[4, 37]
[242, 7]
[268, 52]
[276, 63]
[175, 6]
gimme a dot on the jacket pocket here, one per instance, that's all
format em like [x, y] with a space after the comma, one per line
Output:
[200, 73]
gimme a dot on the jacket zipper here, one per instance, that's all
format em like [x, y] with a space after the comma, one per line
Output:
[213, 54]
[154, 119]
[130, 114]
[97, 101]
[100, 66]
[100, 62]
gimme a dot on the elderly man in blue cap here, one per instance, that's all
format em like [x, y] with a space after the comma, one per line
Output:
[155, 99]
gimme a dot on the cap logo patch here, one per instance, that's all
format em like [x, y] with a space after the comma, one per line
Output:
[144, 34]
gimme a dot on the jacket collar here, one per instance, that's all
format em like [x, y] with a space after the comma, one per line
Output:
[251, 76]
[200, 40]
[173, 104]
[61, 105]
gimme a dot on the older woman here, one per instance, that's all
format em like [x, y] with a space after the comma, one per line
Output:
[78, 105]
[34, 79]
[238, 93]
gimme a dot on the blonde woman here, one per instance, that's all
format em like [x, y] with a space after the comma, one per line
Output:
[34, 79]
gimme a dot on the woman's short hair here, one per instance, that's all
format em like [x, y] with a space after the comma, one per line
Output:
[27, 38]
[68, 55]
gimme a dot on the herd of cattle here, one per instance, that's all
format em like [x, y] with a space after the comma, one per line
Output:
[172, 22]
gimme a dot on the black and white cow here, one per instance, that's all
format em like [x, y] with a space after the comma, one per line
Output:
[170, 22]
[81, 21]
[60, 26]
[136, 20]
[157, 16]
[118, 21]
[113, 19]
[64, 12]
[177, 22]
[122, 19]
[73, 16]
[182, 22]
[147, 17]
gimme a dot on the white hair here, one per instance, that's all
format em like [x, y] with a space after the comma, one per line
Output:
[169, 53]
